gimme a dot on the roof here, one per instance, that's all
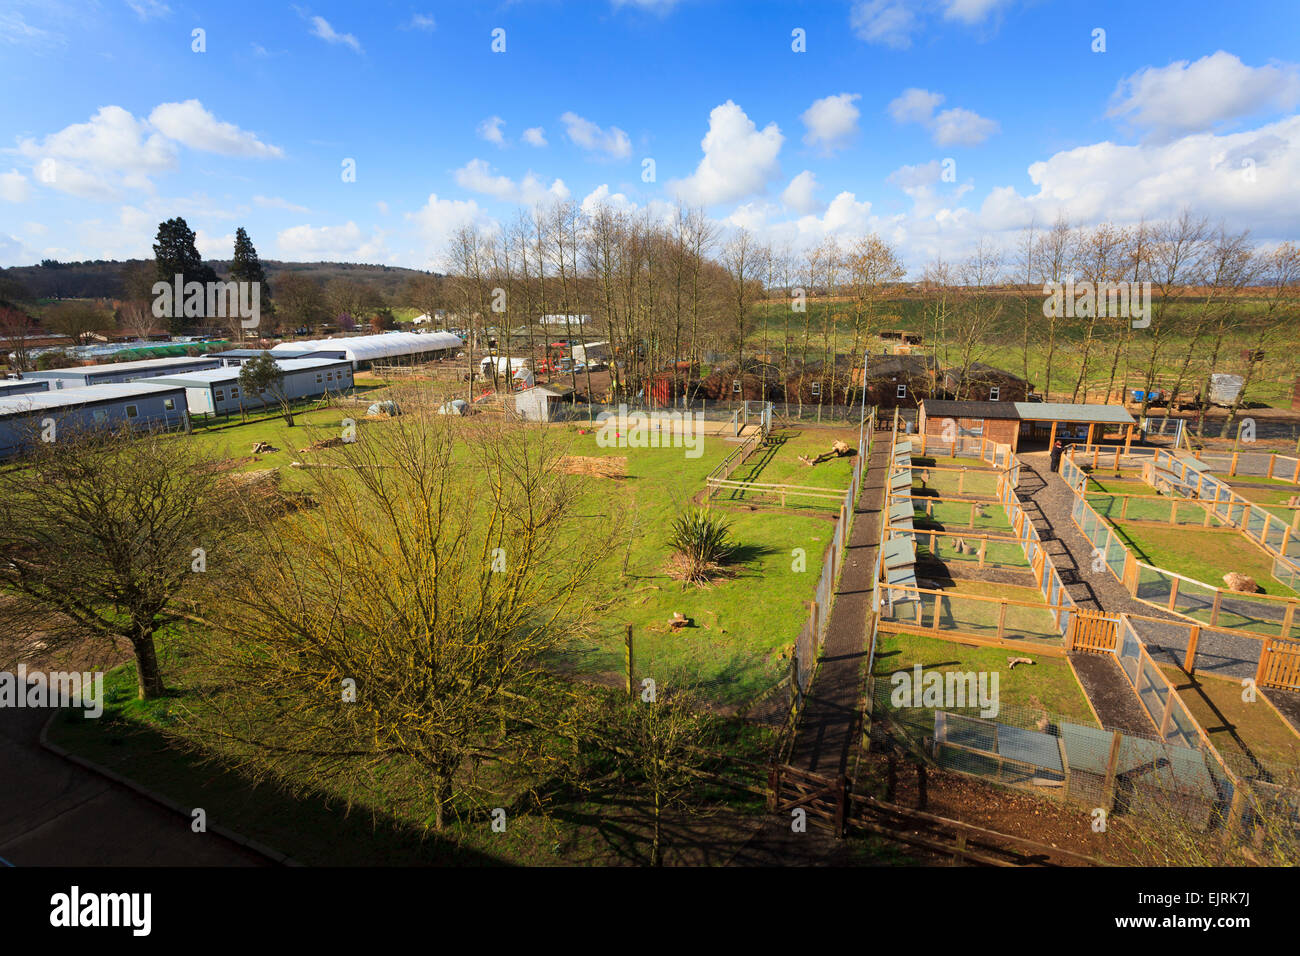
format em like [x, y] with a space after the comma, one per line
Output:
[1029, 411]
[981, 371]
[941, 408]
[366, 348]
[231, 372]
[117, 368]
[85, 395]
[1065, 412]
[906, 364]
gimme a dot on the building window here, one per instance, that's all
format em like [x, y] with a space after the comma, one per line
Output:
[329, 376]
[902, 391]
[234, 392]
[319, 379]
[132, 411]
[219, 394]
[735, 385]
[169, 404]
[99, 415]
[816, 389]
[994, 391]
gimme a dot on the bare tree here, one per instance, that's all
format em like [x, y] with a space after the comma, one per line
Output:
[103, 531]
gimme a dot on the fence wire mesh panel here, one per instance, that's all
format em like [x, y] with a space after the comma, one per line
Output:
[1058, 757]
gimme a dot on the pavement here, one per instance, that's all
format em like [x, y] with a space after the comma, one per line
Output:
[54, 812]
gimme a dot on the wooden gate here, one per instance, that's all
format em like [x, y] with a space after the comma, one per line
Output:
[1092, 631]
[1279, 664]
[824, 799]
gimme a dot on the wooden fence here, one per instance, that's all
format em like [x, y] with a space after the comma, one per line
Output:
[1091, 632]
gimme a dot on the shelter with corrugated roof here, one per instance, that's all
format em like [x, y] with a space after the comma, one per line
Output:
[968, 424]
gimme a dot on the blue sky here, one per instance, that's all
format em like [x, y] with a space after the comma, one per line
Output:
[936, 123]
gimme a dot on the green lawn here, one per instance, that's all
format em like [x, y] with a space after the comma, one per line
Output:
[744, 626]
[1204, 555]
[1244, 732]
[1048, 684]
[150, 742]
[778, 463]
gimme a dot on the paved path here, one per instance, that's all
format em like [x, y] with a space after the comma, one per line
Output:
[832, 716]
[55, 813]
[1047, 499]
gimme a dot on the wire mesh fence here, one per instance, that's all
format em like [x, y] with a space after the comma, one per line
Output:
[1065, 758]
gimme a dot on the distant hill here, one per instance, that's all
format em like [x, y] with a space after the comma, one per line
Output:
[102, 279]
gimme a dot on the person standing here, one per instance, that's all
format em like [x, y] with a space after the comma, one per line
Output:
[1057, 451]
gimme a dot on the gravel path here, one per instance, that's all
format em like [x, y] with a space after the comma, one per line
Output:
[832, 713]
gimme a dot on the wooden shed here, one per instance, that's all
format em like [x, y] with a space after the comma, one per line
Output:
[968, 424]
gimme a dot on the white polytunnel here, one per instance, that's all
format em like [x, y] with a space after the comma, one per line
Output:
[370, 348]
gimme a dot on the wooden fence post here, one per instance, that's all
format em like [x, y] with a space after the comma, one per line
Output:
[1214, 613]
[628, 658]
[1002, 619]
[1112, 763]
[1189, 662]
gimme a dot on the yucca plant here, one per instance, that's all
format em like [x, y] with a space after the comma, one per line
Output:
[701, 541]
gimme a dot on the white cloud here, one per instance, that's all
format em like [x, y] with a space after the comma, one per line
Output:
[909, 177]
[320, 27]
[1186, 97]
[477, 176]
[422, 21]
[490, 130]
[894, 23]
[914, 105]
[191, 124]
[214, 247]
[535, 136]
[439, 219]
[601, 196]
[612, 142]
[345, 243]
[275, 202]
[99, 158]
[959, 127]
[382, 207]
[952, 127]
[971, 11]
[887, 22]
[1246, 178]
[739, 159]
[149, 9]
[14, 186]
[17, 31]
[831, 120]
[800, 195]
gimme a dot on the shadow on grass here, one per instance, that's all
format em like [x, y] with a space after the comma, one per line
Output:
[312, 827]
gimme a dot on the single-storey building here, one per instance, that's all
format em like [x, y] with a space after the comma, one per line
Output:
[540, 404]
[385, 348]
[23, 386]
[115, 373]
[238, 357]
[217, 391]
[969, 424]
[144, 405]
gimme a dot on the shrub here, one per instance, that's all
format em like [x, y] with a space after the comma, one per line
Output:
[701, 541]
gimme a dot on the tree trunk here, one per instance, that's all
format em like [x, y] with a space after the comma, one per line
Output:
[149, 680]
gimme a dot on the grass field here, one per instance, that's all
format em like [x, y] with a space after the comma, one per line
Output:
[743, 626]
[1243, 732]
[149, 742]
[1204, 555]
[1048, 684]
[778, 463]
[1271, 497]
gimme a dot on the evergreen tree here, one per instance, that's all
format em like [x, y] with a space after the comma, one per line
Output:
[246, 266]
[176, 254]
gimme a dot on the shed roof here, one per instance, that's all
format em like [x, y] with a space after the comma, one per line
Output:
[1029, 411]
[117, 368]
[366, 348]
[231, 372]
[85, 395]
